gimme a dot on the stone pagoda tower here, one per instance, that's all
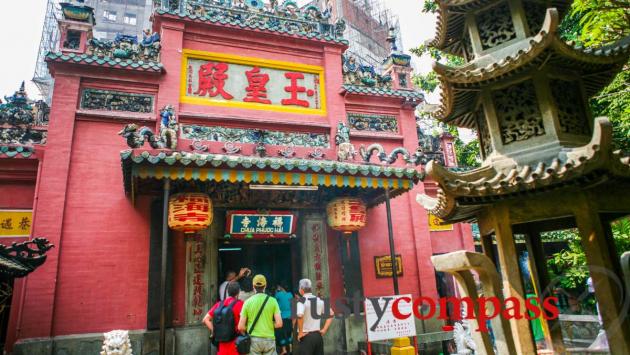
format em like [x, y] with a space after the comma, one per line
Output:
[547, 163]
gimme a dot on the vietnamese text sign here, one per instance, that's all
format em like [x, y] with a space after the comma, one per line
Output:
[15, 223]
[383, 266]
[249, 223]
[387, 326]
[229, 80]
[436, 226]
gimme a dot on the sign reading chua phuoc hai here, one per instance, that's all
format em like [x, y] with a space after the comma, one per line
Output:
[229, 80]
[251, 224]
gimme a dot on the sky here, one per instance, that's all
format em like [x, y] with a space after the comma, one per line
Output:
[21, 26]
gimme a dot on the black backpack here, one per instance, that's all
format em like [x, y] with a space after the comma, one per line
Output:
[223, 322]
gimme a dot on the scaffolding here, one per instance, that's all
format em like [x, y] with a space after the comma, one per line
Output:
[48, 43]
[368, 23]
[130, 17]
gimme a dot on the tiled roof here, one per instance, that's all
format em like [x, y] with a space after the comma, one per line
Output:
[377, 91]
[109, 62]
[253, 25]
[597, 65]
[198, 160]
[488, 184]
[16, 151]
[451, 19]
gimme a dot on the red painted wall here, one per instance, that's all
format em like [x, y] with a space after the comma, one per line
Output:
[17, 195]
[103, 267]
[95, 280]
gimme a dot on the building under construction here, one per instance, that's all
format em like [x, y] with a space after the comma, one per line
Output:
[368, 23]
[112, 17]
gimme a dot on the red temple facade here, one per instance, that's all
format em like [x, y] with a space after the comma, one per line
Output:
[256, 108]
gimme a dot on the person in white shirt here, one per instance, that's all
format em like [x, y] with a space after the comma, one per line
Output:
[310, 330]
[231, 276]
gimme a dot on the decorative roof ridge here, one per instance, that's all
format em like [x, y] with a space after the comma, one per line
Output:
[442, 23]
[547, 37]
[526, 51]
[488, 182]
[369, 90]
[597, 154]
[17, 151]
[444, 11]
[259, 27]
[610, 53]
[232, 161]
[83, 58]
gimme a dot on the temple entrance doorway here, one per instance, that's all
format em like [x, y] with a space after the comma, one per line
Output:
[277, 260]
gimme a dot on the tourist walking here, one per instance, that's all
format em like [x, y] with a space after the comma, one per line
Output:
[263, 310]
[222, 320]
[310, 330]
[231, 275]
[284, 334]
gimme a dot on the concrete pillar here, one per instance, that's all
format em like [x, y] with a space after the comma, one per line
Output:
[553, 336]
[605, 271]
[499, 218]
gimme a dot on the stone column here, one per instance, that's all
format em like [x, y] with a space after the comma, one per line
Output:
[460, 264]
[541, 278]
[499, 218]
[605, 271]
[197, 296]
[202, 255]
[315, 253]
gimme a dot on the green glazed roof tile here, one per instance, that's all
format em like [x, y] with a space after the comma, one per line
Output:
[289, 164]
[16, 151]
[359, 89]
[104, 61]
[256, 26]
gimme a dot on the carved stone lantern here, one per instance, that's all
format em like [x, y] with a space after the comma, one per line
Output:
[547, 163]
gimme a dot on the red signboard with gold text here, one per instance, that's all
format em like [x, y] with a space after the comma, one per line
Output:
[252, 83]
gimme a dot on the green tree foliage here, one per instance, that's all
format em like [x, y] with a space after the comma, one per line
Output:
[602, 21]
[614, 103]
[468, 153]
[596, 23]
[571, 263]
[589, 23]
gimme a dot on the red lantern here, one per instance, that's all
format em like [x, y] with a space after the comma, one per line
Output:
[346, 214]
[189, 212]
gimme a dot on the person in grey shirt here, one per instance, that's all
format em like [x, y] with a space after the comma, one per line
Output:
[231, 276]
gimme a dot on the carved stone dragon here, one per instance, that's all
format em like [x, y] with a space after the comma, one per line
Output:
[20, 259]
[136, 137]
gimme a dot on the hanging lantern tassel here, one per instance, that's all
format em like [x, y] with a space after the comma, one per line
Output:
[189, 213]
